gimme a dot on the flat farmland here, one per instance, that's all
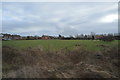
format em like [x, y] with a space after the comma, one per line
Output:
[60, 59]
[93, 45]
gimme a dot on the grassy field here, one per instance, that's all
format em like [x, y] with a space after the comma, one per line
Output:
[60, 44]
[60, 59]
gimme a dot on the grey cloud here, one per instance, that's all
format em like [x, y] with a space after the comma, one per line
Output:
[57, 18]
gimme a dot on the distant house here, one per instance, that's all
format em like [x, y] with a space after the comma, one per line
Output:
[117, 36]
[98, 36]
[6, 37]
[10, 37]
[23, 38]
[36, 37]
[16, 37]
[39, 37]
[45, 37]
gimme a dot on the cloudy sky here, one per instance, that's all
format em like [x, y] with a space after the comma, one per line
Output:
[65, 18]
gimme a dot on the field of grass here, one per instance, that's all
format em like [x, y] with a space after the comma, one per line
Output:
[60, 44]
[60, 59]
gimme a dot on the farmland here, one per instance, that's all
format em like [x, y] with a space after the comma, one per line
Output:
[60, 59]
[59, 44]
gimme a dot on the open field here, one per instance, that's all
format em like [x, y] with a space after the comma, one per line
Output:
[60, 59]
[60, 44]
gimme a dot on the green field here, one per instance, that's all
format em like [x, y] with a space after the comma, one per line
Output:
[60, 44]
[53, 58]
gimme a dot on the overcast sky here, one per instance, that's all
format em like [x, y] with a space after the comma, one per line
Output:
[65, 18]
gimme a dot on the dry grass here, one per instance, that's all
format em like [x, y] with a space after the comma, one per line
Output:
[77, 63]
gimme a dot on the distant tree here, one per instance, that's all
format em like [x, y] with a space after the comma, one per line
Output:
[93, 35]
[36, 37]
[60, 36]
[28, 37]
[85, 36]
[77, 36]
[81, 36]
[71, 37]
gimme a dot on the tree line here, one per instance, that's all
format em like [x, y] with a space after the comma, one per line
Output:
[92, 36]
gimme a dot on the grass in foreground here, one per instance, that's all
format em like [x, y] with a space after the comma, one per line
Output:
[77, 63]
[60, 59]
